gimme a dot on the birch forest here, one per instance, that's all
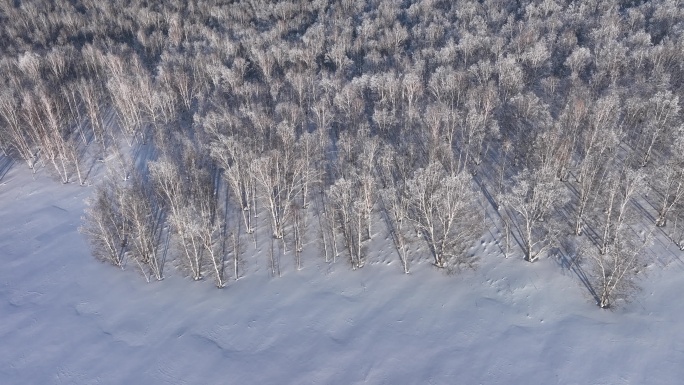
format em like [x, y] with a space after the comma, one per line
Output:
[310, 129]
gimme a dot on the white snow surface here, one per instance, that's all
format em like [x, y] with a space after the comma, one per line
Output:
[66, 318]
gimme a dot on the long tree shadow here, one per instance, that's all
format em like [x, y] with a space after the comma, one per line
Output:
[485, 191]
[569, 258]
[516, 232]
[589, 229]
[645, 212]
[6, 164]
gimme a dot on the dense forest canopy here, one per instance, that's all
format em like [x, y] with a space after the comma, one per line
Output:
[561, 117]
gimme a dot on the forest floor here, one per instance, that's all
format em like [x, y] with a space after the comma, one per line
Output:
[67, 319]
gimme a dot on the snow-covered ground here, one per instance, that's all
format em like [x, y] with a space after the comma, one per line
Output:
[68, 319]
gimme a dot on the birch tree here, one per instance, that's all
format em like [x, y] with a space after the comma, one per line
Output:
[91, 95]
[236, 161]
[106, 226]
[619, 188]
[531, 201]
[442, 208]
[395, 208]
[662, 118]
[667, 182]
[146, 227]
[17, 136]
[126, 101]
[597, 146]
[615, 271]
[278, 180]
[348, 215]
[172, 186]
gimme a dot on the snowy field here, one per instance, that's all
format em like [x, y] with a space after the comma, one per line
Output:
[67, 319]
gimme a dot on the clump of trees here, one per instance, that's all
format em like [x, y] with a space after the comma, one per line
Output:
[555, 119]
